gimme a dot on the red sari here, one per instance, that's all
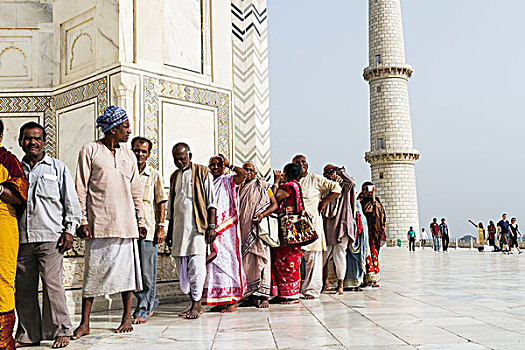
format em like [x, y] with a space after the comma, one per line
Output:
[376, 220]
[286, 261]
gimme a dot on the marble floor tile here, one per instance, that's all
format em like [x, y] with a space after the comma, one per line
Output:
[460, 300]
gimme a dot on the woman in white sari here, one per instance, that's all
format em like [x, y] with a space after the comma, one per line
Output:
[225, 280]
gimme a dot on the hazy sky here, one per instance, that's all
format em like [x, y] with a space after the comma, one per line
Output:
[467, 98]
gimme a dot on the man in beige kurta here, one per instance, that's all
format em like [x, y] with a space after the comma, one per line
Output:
[317, 193]
[110, 196]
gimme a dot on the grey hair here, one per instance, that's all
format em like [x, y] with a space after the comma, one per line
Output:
[252, 164]
[182, 144]
[297, 156]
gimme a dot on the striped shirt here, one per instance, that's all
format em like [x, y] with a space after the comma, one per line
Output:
[153, 194]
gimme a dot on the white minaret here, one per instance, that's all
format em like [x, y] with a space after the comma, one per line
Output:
[392, 154]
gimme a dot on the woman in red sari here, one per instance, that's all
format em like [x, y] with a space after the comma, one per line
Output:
[286, 261]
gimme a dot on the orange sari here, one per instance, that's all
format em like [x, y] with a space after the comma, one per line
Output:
[11, 177]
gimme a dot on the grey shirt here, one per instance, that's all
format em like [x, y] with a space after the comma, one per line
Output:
[52, 205]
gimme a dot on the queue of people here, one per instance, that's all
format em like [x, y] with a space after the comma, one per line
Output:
[219, 227]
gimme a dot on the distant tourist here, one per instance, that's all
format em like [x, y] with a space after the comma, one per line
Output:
[424, 238]
[434, 230]
[491, 230]
[443, 230]
[503, 233]
[411, 234]
[481, 235]
[376, 221]
[514, 234]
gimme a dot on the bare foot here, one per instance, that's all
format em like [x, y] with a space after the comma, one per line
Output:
[61, 342]
[290, 301]
[309, 297]
[327, 286]
[357, 289]
[375, 285]
[195, 311]
[125, 327]
[339, 291]
[81, 331]
[264, 304]
[139, 320]
[231, 308]
[185, 312]
[25, 345]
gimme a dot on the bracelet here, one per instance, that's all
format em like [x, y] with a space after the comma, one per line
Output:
[161, 224]
[1, 190]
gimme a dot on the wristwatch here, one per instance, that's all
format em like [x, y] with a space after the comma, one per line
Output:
[212, 226]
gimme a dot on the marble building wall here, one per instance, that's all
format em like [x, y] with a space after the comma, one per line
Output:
[86, 54]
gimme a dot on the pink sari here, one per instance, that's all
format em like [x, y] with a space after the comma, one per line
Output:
[225, 281]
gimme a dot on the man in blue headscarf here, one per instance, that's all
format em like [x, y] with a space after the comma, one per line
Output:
[110, 195]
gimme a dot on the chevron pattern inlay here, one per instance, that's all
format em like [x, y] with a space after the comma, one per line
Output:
[48, 105]
[155, 88]
[250, 83]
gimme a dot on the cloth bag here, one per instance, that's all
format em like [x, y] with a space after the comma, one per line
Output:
[269, 231]
[298, 229]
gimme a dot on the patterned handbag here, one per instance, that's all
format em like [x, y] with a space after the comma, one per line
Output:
[298, 229]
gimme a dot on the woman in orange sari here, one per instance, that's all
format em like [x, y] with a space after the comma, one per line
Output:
[13, 197]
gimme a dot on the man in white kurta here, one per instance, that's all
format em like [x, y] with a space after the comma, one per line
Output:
[192, 215]
[317, 193]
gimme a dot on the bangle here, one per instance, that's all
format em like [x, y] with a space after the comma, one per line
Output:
[1, 190]
[161, 224]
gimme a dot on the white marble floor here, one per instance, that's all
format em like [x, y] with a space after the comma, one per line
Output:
[457, 300]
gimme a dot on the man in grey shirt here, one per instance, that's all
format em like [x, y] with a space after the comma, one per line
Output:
[46, 233]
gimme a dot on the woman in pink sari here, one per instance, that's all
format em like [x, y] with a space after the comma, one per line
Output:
[225, 280]
[286, 261]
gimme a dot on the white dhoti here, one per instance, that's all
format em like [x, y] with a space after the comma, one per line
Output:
[192, 274]
[313, 277]
[112, 266]
[338, 253]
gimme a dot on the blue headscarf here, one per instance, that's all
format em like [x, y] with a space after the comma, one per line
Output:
[113, 116]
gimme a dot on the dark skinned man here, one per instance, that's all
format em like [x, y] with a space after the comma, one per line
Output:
[318, 192]
[154, 200]
[192, 215]
[46, 232]
[110, 194]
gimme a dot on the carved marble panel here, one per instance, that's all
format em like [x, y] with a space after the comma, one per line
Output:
[78, 40]
[15, 56]
[183, 34]
[186, 123]
[76, 127]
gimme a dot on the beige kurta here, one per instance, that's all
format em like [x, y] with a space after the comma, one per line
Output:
[187, 240]
[153, 194]
[316, 187]
[109, 191]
